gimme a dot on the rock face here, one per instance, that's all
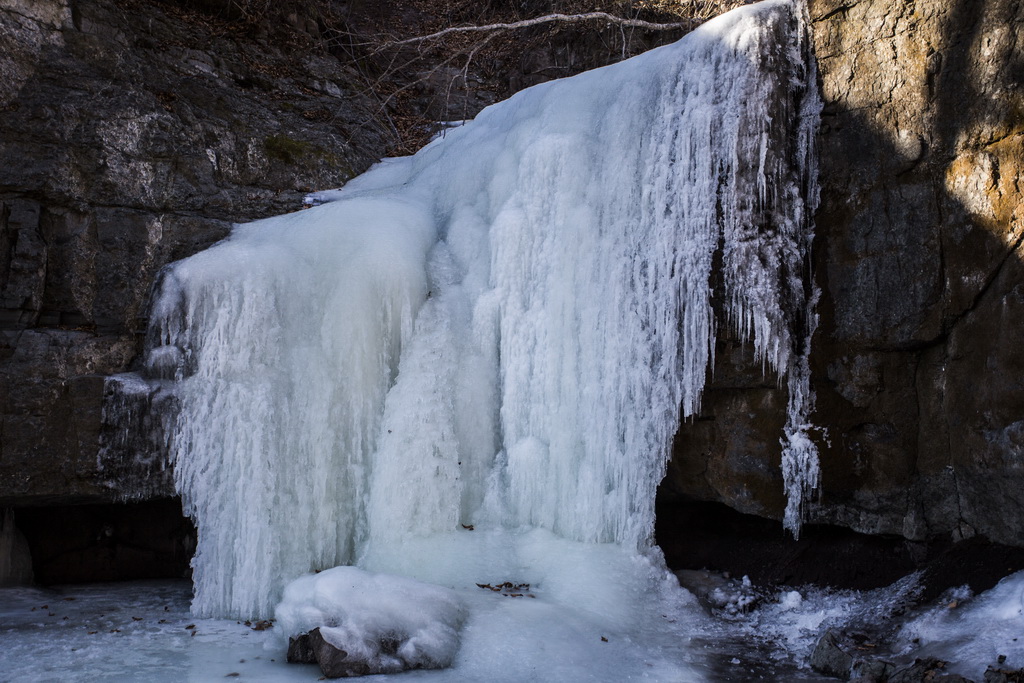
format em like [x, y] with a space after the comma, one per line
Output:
[923, 263]
[918, 361]
[133, 134]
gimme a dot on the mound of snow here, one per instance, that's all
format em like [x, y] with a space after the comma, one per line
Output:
[385, 623]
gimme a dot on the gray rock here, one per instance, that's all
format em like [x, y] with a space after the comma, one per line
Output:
[829, 658]
[871, 671]
[300, 649]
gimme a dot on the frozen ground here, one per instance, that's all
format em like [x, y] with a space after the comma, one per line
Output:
[142, 631]
[136, 631]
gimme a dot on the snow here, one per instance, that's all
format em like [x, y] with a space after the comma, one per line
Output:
[356, 610]
[132, 631]
[565, 597]
[973, 633]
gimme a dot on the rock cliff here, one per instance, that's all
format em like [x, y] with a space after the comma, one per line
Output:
[135, 133]
[918, 362]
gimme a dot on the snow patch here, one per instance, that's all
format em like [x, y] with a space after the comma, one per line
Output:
[390, 622]
[973, 633]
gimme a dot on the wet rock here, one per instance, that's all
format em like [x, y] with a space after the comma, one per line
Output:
[871, 671]
[829, 658]
[300, 649]
[995, 674]
[921, 671]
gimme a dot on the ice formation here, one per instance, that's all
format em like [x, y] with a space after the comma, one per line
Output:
[501, 333]
[973, 632]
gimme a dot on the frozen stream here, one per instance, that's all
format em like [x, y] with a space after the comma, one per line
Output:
[140, 631]
[143, 631]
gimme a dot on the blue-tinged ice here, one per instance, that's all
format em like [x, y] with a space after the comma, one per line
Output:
[497, 337]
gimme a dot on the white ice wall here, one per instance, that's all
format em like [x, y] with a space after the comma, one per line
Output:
[500, 331]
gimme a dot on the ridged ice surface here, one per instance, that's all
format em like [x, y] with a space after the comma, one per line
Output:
[502, 331]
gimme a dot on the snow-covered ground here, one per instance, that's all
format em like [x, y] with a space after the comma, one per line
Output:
[143, 631]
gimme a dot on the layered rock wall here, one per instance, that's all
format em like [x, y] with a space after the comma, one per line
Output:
[133, 134]
[918, 363]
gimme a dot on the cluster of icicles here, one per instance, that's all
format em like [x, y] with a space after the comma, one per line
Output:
[503, 331]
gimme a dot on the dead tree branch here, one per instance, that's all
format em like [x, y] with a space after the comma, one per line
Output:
[547, 19]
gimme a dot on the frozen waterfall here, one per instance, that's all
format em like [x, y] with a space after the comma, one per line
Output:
[469, 358]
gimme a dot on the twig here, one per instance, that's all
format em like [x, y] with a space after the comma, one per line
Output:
[547, 19]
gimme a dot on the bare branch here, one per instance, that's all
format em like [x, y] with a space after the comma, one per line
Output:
[547, 19]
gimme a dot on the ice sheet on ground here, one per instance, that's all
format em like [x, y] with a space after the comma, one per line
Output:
[138, 631]
[973, 632]
[785, 625]
[134, 631]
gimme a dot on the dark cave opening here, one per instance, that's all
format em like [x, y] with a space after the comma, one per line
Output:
[155, 540]
[107, 542]
[707, 535]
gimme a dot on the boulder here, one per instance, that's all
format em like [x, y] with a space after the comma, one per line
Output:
[829, 658]
[300, 649]
[337, 663]
[995, 674]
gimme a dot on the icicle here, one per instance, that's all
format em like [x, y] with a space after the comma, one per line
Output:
[500, 332]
